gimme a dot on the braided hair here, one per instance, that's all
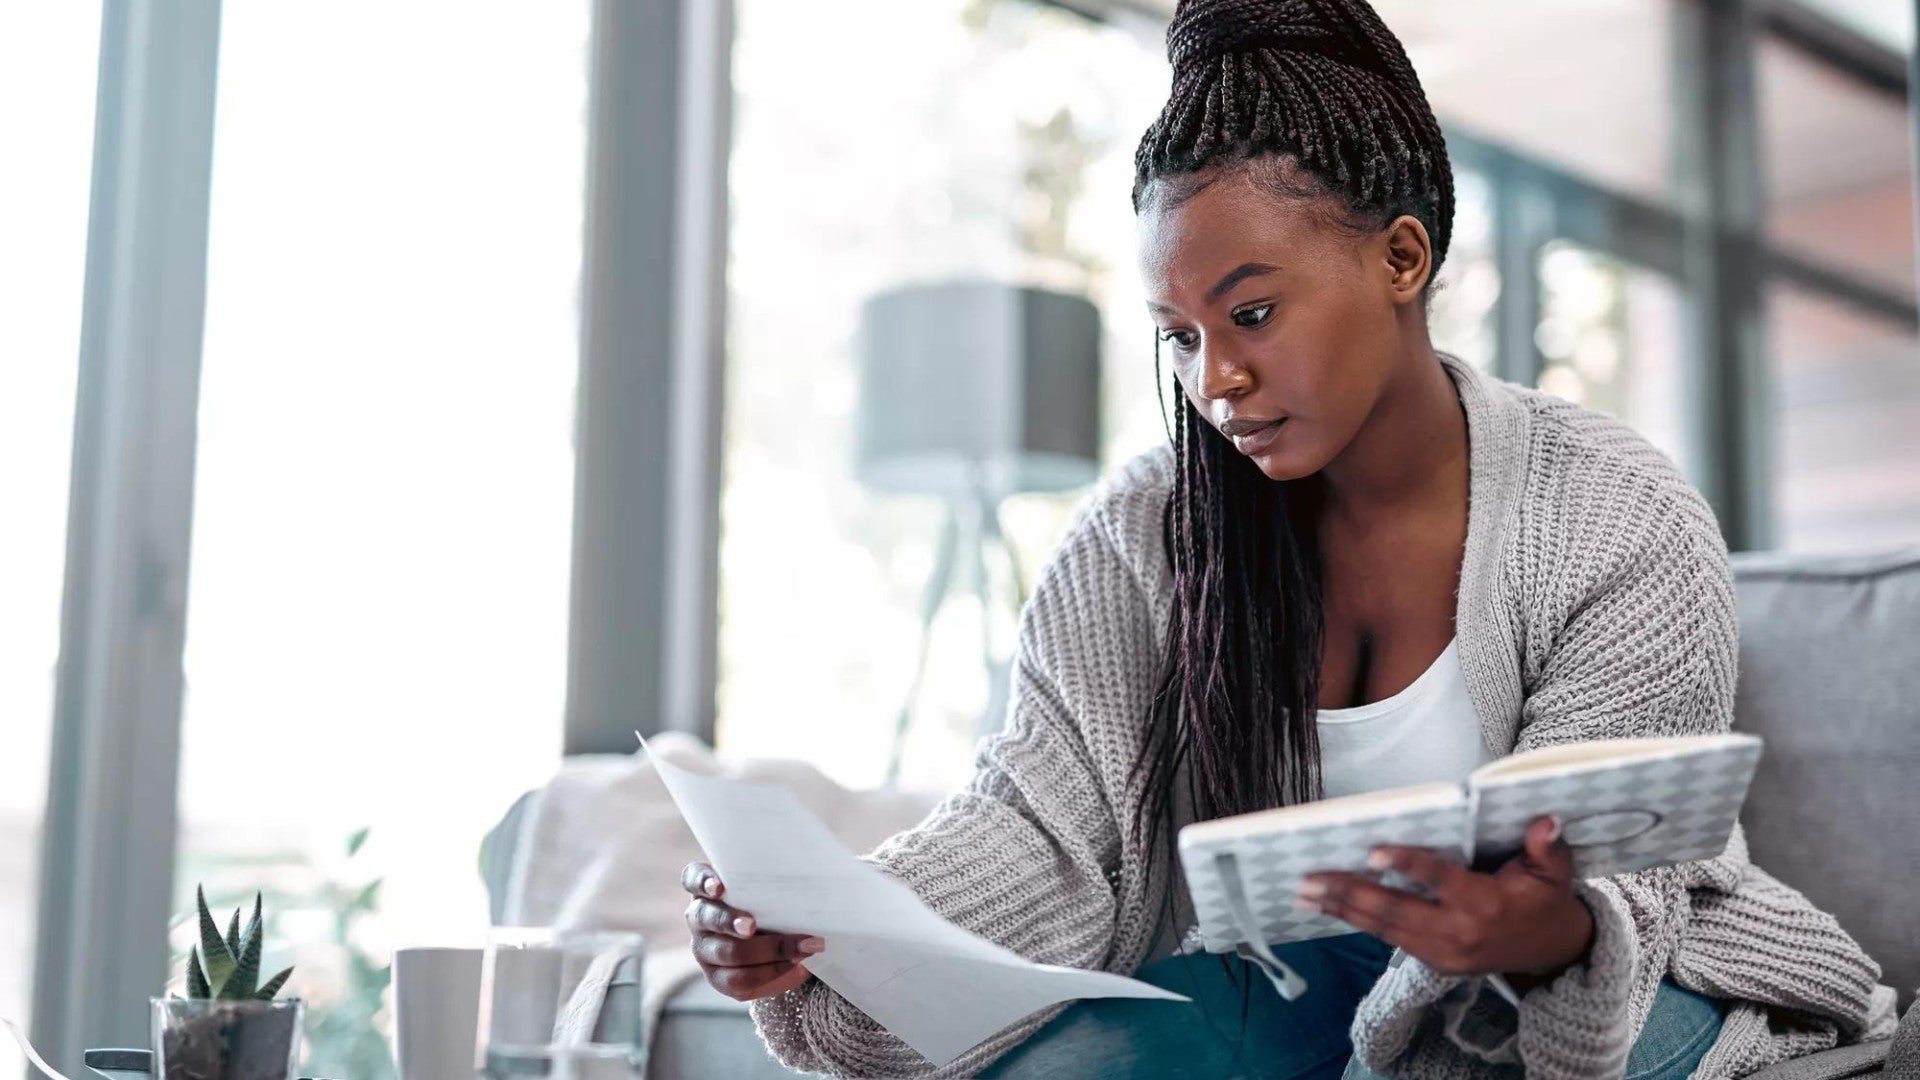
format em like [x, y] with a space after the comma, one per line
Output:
[1316, 102]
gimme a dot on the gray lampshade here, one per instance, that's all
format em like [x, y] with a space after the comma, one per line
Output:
[978, 387]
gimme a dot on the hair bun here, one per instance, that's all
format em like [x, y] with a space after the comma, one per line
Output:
[1204, 30]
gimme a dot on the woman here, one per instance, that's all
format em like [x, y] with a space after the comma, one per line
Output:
[1359, 565]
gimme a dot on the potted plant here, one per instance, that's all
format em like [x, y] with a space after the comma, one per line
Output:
[228, 1027]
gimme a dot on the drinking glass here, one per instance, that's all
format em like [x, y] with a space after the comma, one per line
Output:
[561, 1004]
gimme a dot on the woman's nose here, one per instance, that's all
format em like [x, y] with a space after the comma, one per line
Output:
[1222, 376]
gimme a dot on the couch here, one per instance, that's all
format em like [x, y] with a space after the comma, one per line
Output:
[1829, 676]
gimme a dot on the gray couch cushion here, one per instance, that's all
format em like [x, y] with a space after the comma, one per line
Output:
[1830, 677]
[703, 1033]
[1840, 1063]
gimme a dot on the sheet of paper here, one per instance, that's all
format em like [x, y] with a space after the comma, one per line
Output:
[939, 988]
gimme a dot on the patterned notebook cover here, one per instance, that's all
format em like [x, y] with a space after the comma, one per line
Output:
[1622, 816]
[1273, 864]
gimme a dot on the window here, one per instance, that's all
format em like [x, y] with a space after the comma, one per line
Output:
[1847, 414]
[1838, 157]
[1610, 339]
[49, 59]
[1000, 145]
[1461, 319]
[1588, 88]
[1838, 164]
[377, 624]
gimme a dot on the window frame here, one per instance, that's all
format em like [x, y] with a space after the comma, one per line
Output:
[108, 836]
[643, 596]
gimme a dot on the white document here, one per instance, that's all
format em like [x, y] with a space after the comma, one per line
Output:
[940, 989]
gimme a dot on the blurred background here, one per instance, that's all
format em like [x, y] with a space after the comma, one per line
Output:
[397, 396]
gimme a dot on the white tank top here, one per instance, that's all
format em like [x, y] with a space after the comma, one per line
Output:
[1427, 732]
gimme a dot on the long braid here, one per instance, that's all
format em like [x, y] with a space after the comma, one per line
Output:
[1325, 87]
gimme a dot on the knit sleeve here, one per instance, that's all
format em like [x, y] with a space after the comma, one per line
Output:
[1648, 647]
[1022, 855]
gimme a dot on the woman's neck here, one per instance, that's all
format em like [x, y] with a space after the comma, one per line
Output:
[1409, 448]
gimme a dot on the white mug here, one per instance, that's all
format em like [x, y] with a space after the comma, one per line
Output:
[436, 1000]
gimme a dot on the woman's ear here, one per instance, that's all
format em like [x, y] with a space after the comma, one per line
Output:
[1409, 258]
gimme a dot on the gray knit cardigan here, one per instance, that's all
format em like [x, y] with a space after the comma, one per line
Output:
[1595, 602]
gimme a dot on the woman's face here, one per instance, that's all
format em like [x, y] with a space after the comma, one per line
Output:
[1282, 328]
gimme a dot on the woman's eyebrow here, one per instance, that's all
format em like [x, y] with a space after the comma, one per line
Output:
[1237, 275]
[1234, 277]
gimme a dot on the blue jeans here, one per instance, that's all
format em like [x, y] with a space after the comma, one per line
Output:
[1237, 1026]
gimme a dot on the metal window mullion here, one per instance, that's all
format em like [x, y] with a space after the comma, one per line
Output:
[108, 840]
[690, 673]
[1913, 110]
[1836, 45]
[1523, 222]
[1717, 172]
[642, 645]
[1844, 285]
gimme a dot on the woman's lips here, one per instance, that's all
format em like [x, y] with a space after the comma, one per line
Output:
[1257, 441]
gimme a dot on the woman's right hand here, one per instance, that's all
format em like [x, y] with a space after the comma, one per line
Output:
[740, 960]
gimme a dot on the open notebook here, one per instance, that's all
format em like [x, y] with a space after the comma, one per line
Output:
[1625, 804]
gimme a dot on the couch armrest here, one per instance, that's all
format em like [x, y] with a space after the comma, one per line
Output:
[498, 850]
[1899, 1057]
[1840, 1063]
[1903, 1054]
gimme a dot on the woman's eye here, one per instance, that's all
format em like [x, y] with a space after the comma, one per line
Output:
[1253, 316]
[1181, 338]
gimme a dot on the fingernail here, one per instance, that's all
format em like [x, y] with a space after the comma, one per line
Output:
[1553, 826]
[710, 885]
[1312, 890]
[1379, 860]
[743, 926]
[811, 945]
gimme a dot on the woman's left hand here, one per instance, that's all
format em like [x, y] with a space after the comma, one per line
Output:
[1523, 919]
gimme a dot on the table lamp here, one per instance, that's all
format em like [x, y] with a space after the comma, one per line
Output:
[973, 391]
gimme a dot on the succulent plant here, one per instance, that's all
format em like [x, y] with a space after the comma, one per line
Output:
[227, 967]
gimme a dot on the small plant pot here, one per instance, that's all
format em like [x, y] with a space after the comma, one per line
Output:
[196, 1039]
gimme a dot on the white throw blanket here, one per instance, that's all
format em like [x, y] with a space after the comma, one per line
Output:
[602, 847]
